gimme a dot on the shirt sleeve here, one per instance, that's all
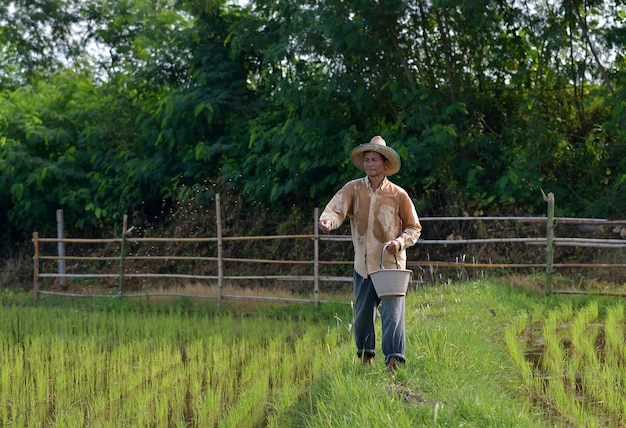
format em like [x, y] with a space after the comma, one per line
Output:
[412, 228]
[338, 207]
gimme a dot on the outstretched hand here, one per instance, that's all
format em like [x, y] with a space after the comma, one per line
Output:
[324, 226]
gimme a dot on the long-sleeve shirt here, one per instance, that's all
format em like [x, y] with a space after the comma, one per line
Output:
[376, 216]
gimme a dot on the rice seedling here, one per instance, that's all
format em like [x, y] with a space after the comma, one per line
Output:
[182, 364]
[516, 350]
[615, 351]
[581, 369]
[148, 366]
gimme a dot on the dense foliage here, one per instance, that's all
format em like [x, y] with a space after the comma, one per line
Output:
[128, 107]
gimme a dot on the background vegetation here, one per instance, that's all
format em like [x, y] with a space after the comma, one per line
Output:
[137, 106]
[145, 107]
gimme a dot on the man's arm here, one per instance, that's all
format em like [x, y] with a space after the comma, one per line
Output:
[412, 228]
[336, 211]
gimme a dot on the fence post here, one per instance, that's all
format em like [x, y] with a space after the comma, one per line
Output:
[316, 259]
[120, 286]
[61, 246]
[220, 261]
[549, 243]
[36, 266]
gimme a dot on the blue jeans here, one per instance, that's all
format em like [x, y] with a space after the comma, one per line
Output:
[391, 315]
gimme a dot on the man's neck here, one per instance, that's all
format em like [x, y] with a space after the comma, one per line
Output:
[375, 182]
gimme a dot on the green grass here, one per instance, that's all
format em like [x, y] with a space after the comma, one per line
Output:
[185, 363]
[458, 370]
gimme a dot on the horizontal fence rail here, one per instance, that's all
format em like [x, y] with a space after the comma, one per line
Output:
[547, 241]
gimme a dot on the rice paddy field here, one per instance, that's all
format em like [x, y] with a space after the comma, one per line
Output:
[479, 354]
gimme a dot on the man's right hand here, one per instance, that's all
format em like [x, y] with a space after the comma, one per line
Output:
[324, 226]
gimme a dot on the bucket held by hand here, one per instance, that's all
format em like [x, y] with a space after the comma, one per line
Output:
[390, 283]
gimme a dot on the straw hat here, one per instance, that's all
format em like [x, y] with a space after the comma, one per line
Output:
[378, 145]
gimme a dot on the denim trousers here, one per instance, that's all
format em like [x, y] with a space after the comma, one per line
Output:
[366, 303]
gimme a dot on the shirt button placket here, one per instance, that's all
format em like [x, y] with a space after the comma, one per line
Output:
[370, 228]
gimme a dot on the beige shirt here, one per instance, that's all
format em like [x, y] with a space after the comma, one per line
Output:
[376, 216]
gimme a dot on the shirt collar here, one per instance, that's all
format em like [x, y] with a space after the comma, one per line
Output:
[369, 185]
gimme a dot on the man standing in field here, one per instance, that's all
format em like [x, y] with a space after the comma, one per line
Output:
[381, 214]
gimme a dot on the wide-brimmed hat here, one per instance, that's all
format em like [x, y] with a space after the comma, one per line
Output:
[378, 145]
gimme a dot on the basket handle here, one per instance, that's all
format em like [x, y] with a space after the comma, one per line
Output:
[381, 258]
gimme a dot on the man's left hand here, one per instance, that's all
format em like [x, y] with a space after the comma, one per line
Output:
[393, 247]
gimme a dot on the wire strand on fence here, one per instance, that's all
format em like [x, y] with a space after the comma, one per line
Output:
[316, 262]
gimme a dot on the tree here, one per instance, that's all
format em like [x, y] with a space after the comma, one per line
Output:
[488, 103]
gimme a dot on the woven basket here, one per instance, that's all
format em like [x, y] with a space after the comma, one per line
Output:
[390, 283]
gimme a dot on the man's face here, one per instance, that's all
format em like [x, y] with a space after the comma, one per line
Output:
[374, 164]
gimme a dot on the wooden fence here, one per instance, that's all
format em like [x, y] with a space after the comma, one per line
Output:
[547, 241]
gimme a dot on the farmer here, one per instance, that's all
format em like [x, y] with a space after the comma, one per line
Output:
[381, 213]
